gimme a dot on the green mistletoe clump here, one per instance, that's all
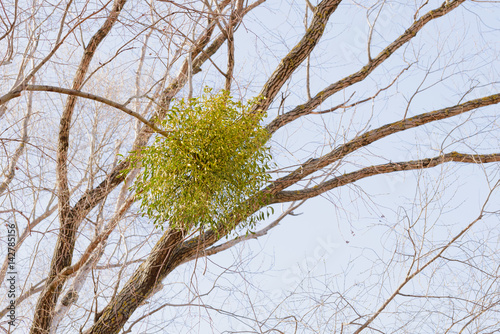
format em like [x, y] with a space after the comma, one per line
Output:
[214, 158]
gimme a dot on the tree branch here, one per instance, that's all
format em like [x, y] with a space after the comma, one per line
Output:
[369, 137]
[339, 181]
[74, 92]
[309, 106]
[298, 54]
[219, 248]
[63, 252]
[422, 267]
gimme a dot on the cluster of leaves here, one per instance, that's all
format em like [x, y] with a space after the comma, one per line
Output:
[213, 160]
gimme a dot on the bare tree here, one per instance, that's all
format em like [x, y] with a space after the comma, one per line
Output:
[367, 90]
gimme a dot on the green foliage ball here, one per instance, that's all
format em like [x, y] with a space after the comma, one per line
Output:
[213, 160]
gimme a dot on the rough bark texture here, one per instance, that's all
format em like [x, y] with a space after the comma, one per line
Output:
[309, 106]
[172, 249]
[371, 136]
[69, 218]
[298, 54]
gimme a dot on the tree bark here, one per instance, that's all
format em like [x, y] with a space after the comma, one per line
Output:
[69, 218]
[165, 257]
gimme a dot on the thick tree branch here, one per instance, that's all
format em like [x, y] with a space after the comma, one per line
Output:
[19, 86]
[163, 259]
[309, 106]
[138, 288]
[10, 171]
[141, 284]
[94, 196]
[254, 235]
[369, 137]
[422, 266]
[198, 246]
[342, 180]
[96, 242]
[63, 252]
[175, 29]
[74, 92]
